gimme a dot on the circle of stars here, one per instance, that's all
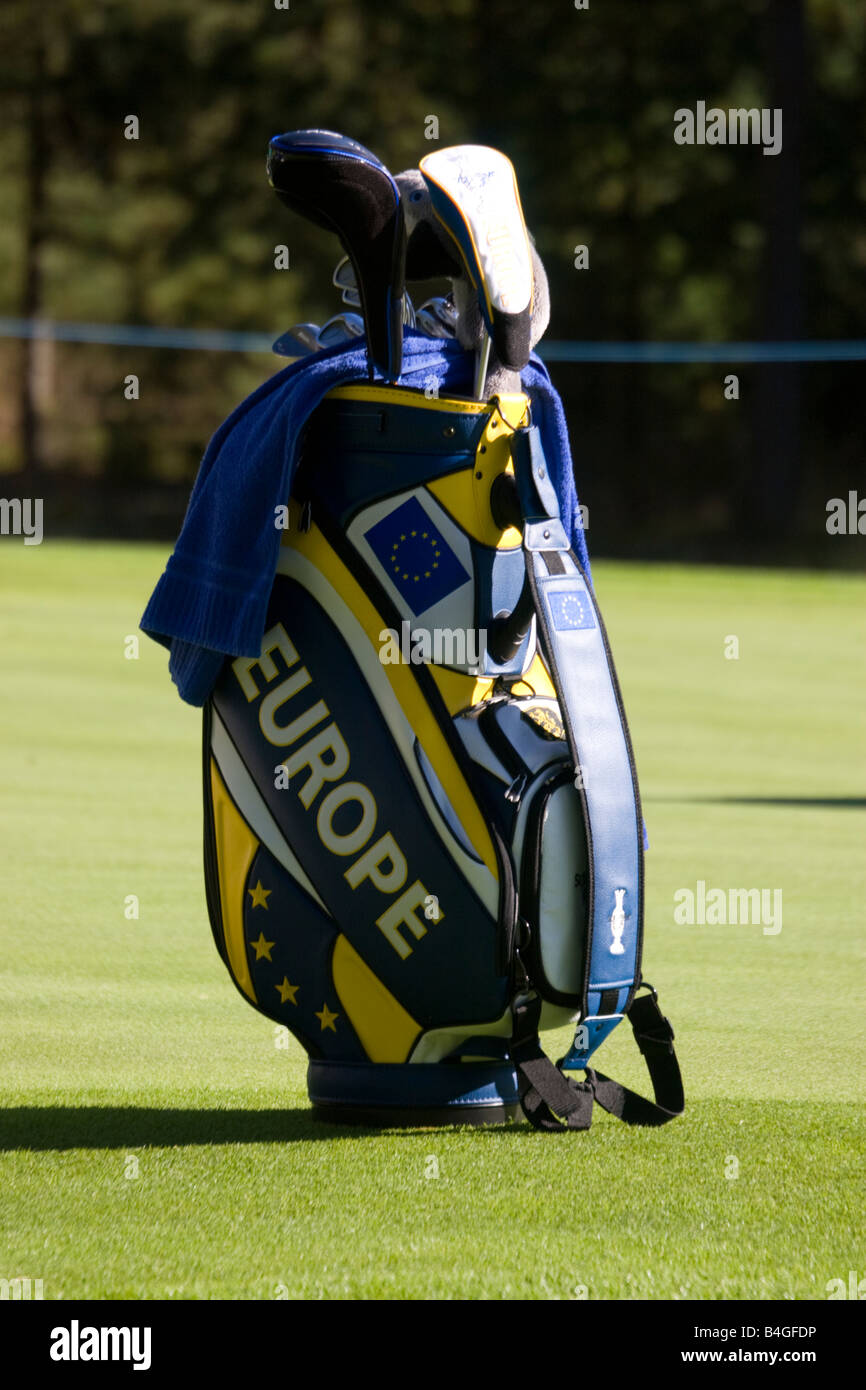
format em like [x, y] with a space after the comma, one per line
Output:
[398, 568]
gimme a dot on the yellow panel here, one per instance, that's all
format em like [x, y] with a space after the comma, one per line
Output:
[513, 407]
[466, 498]
[460, 691]
[237, 847]
[398, 395]
[538, 679]
[387, 1032]
[466, 494]
[313, 545]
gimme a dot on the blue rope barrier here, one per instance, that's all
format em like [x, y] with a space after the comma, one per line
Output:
[841, 350]
[135, 335]
[218, 340]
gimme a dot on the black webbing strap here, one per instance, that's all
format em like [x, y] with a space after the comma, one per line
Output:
[548, 1098]
[551, 1101]
[655, 1038]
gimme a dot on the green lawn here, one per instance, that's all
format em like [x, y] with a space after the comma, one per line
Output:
[124, 1045]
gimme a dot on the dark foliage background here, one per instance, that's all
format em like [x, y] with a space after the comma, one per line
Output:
[687, 243]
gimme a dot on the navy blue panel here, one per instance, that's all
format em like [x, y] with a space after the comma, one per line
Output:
[289, 941]
[496, 804]
[482, 1046]
[358, 451]
[415, 556]
[420, 1085]
[450, 974]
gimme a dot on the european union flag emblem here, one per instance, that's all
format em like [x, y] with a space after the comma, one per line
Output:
[570, 611]
[415, 556]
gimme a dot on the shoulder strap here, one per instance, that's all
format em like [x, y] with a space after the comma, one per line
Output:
[572, 636]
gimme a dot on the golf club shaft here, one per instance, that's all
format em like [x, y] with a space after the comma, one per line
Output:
[481, 364]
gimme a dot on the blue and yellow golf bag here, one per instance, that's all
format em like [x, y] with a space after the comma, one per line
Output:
[424, 843]
[423, 836]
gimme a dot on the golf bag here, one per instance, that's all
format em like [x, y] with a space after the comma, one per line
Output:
[423, 836]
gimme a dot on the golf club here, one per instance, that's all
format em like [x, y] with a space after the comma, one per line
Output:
[344, 279]
[437, 317]
[339, 184]
[473, 190]
[340, 329]
[298, 341]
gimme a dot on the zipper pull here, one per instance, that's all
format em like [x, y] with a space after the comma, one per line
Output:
[522, 982]
[517, 788]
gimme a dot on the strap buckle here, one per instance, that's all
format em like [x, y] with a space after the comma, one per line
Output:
[653, 1032]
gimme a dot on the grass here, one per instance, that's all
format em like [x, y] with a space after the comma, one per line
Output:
[155, 1135]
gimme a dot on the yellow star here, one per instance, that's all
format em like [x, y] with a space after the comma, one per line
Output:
[424, 535]
[262, 947]
[287, 991]
[260, 895]
[327, 1018]
[414, 533]
[426, 574]
[402, 538]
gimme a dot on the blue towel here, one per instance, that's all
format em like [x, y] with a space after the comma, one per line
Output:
[212, 599]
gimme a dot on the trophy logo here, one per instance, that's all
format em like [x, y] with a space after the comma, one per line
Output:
[617, 923]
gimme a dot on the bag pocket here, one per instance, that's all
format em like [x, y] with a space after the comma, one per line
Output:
[554, 887]
[540, 808]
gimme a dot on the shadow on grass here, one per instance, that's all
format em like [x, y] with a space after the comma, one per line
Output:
[54, 1128]
[46, 1129]
[845, 803]
[118, 1127]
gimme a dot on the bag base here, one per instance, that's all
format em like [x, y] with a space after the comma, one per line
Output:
[383, 1094]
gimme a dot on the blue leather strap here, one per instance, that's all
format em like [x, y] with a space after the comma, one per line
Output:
[572, 636]
[590, 1034]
